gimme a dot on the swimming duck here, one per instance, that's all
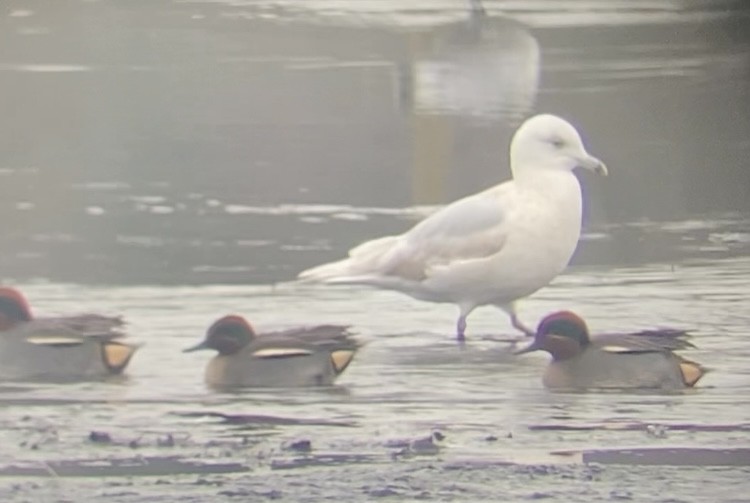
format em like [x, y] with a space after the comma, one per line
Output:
[490, 248]
[65, 347]
[643, 359]
[305, 356]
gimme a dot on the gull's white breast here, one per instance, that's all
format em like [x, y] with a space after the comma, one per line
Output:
[541, 231]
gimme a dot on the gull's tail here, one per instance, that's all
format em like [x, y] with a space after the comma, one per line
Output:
[373, 258]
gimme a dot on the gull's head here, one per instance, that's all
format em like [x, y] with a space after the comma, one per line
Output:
[547, 141]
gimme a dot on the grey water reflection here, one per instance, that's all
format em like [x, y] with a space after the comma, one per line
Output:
[477, 67]
[176, 161]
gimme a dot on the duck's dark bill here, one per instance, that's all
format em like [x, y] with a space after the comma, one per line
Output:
[197, 347]
[534, 346]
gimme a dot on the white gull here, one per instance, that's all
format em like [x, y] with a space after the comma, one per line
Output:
[490, 248]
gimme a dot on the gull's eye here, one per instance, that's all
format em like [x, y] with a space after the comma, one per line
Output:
[557, 143]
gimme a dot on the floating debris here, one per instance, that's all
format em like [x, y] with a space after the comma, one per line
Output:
[639, 426]
[672, 456]
[165, 441]
[168, 440]
[100, 437]
[127, 467]
[303, 445]
[330, 459]
[424, 446]
[657, 430]
[263, 420]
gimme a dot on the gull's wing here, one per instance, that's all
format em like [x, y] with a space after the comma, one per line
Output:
[646, 341]
[471, 228]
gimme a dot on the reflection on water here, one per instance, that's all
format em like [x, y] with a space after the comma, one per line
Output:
[176, 161]
[481, 67]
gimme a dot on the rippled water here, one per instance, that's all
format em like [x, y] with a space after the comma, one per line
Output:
[177, 161]
[502, 429]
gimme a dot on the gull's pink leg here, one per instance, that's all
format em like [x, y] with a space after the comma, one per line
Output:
[517, 323]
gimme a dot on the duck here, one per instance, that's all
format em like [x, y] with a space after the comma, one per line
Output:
[296, 357]
[490, 248]
[59, 348]
[644, 359]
